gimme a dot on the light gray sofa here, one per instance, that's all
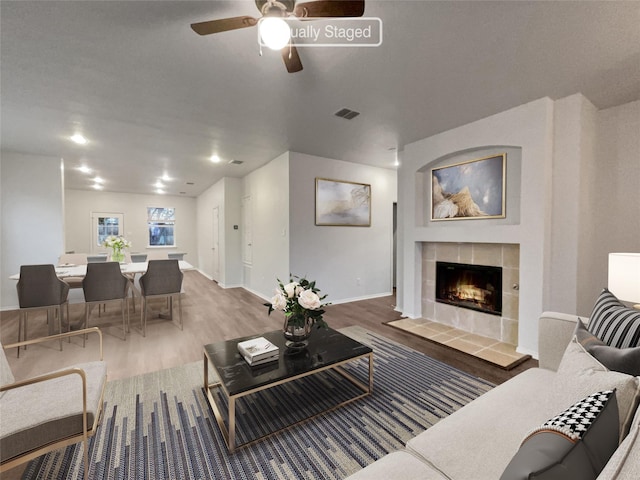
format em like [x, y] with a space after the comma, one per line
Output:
[479, 440]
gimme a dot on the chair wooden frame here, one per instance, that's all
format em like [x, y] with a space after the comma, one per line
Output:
[86, 432]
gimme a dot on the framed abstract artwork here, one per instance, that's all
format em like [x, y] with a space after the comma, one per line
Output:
[341, 203]
[474, 189]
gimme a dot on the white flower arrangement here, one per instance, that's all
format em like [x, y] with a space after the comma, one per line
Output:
[116, 243]
[300, 302]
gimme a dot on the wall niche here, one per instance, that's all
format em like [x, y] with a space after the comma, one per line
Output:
[424, 187]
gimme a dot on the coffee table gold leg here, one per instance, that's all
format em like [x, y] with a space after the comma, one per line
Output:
[232, 424]
[206, 372]
[371, 372]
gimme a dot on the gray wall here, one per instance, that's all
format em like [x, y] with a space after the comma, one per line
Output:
[613, 211]
[267, 216]
[348, 263]
[32, 216]
[226, 196]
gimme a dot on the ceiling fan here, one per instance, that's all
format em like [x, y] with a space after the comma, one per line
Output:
[284, 9]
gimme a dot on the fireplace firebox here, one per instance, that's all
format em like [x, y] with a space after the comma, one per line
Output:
[477, 287]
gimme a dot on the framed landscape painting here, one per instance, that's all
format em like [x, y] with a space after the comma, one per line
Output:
[469, 190]
[341, 203]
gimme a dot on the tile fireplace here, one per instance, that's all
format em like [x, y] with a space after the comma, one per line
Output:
[476, 287]
[494, 301]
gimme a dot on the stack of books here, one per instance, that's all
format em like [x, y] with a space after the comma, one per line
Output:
[258, 351]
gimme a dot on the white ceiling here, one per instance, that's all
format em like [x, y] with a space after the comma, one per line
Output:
[154, 97]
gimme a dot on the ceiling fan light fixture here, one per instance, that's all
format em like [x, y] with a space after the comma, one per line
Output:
[274, 32]
[79, 139]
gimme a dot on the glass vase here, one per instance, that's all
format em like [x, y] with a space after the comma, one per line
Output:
[296, 336]
[117, 256]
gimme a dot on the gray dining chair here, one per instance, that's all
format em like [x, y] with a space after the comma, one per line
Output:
[105, 282]
[138, 257]
[163, 278]
[96, 258]
[40, 289]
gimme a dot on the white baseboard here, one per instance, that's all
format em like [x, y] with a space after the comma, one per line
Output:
[204, 274]
[337, 302]
[257, 294]
[526, 351]
[220, 284]
[365, 297]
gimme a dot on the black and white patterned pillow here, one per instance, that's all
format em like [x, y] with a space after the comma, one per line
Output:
[576, 420]
[575, 444]
[614, 323]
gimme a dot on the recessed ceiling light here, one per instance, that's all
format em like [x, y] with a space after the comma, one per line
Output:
[158, 184]
[97, 186]
[84, 169]
[160, 191]
[215, 158]
[98, 180]
[166, 178]
[79, 139]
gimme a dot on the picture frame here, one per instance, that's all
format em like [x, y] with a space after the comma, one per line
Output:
[469, 190]
[342, 203]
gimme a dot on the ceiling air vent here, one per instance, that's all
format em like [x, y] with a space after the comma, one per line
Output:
[236, 162]
[346, 113]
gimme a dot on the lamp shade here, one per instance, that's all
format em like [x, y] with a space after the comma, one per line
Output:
[624, 276]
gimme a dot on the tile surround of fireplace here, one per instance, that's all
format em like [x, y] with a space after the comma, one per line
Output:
[477, 287]
[503, 328]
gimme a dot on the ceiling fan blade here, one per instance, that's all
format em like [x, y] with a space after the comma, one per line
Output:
[223, 25]
[291, 59]
[330, 8]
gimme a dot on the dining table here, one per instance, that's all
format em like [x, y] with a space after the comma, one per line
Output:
[131, 269]
[71, 270]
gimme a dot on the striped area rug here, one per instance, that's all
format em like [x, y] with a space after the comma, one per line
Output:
[159, 425]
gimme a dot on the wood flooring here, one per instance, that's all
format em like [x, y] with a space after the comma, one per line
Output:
[210, 314]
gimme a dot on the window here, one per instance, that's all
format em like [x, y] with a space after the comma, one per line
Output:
[105, 224]
[161, 222]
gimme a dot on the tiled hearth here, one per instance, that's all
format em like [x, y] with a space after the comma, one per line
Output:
[503, 328]
[489, 349]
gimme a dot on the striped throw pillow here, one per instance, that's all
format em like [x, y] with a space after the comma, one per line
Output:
[614, 323]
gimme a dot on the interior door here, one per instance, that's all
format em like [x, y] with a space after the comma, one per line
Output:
[104, 224]
[215, 244]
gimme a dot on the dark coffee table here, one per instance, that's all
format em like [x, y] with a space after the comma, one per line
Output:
[328, 349]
